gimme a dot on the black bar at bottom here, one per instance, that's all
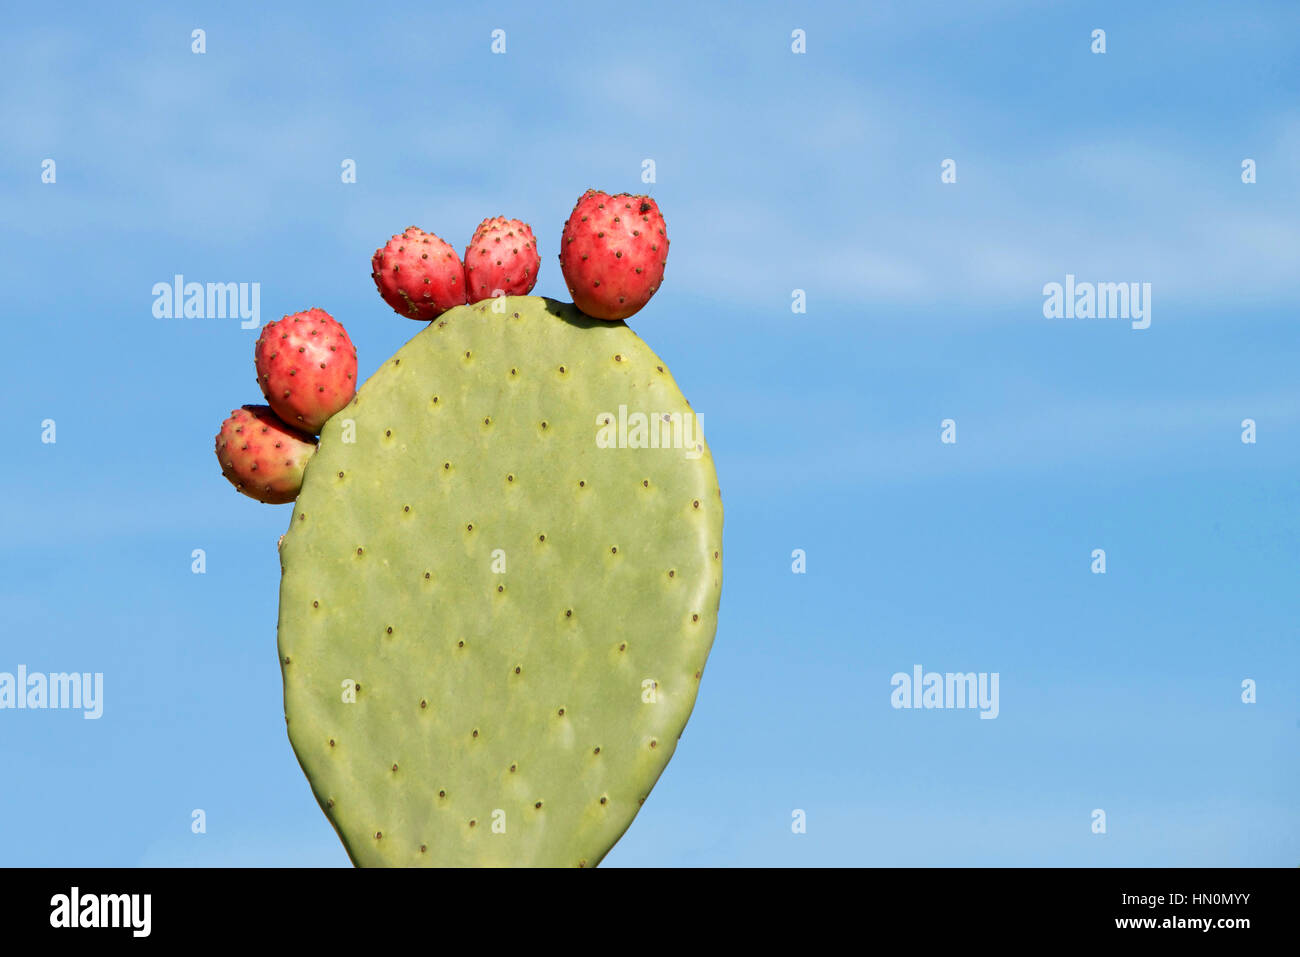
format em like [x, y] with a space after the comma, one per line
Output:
[302, 906]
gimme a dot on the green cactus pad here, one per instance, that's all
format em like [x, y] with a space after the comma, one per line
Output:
[521, 615]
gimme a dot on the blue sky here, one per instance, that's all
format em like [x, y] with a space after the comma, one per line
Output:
[775, 172]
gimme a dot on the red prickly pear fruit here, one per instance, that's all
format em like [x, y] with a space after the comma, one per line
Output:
[261, 456]
[419, 275]
[307, 368]
[613, 252]
[501, 259]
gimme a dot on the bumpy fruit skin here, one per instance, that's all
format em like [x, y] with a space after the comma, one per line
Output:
[307, 368]
[261, 456]
[501, 259]
[613, 252]
[419, 275]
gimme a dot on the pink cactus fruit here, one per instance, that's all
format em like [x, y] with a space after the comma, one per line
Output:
[419, 275]
[501, 259]
[613, 252]
[261, 456]
[307, 368]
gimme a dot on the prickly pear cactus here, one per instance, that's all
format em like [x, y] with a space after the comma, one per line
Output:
[497, 597]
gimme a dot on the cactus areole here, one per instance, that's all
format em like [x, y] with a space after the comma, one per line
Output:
[499, 589]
